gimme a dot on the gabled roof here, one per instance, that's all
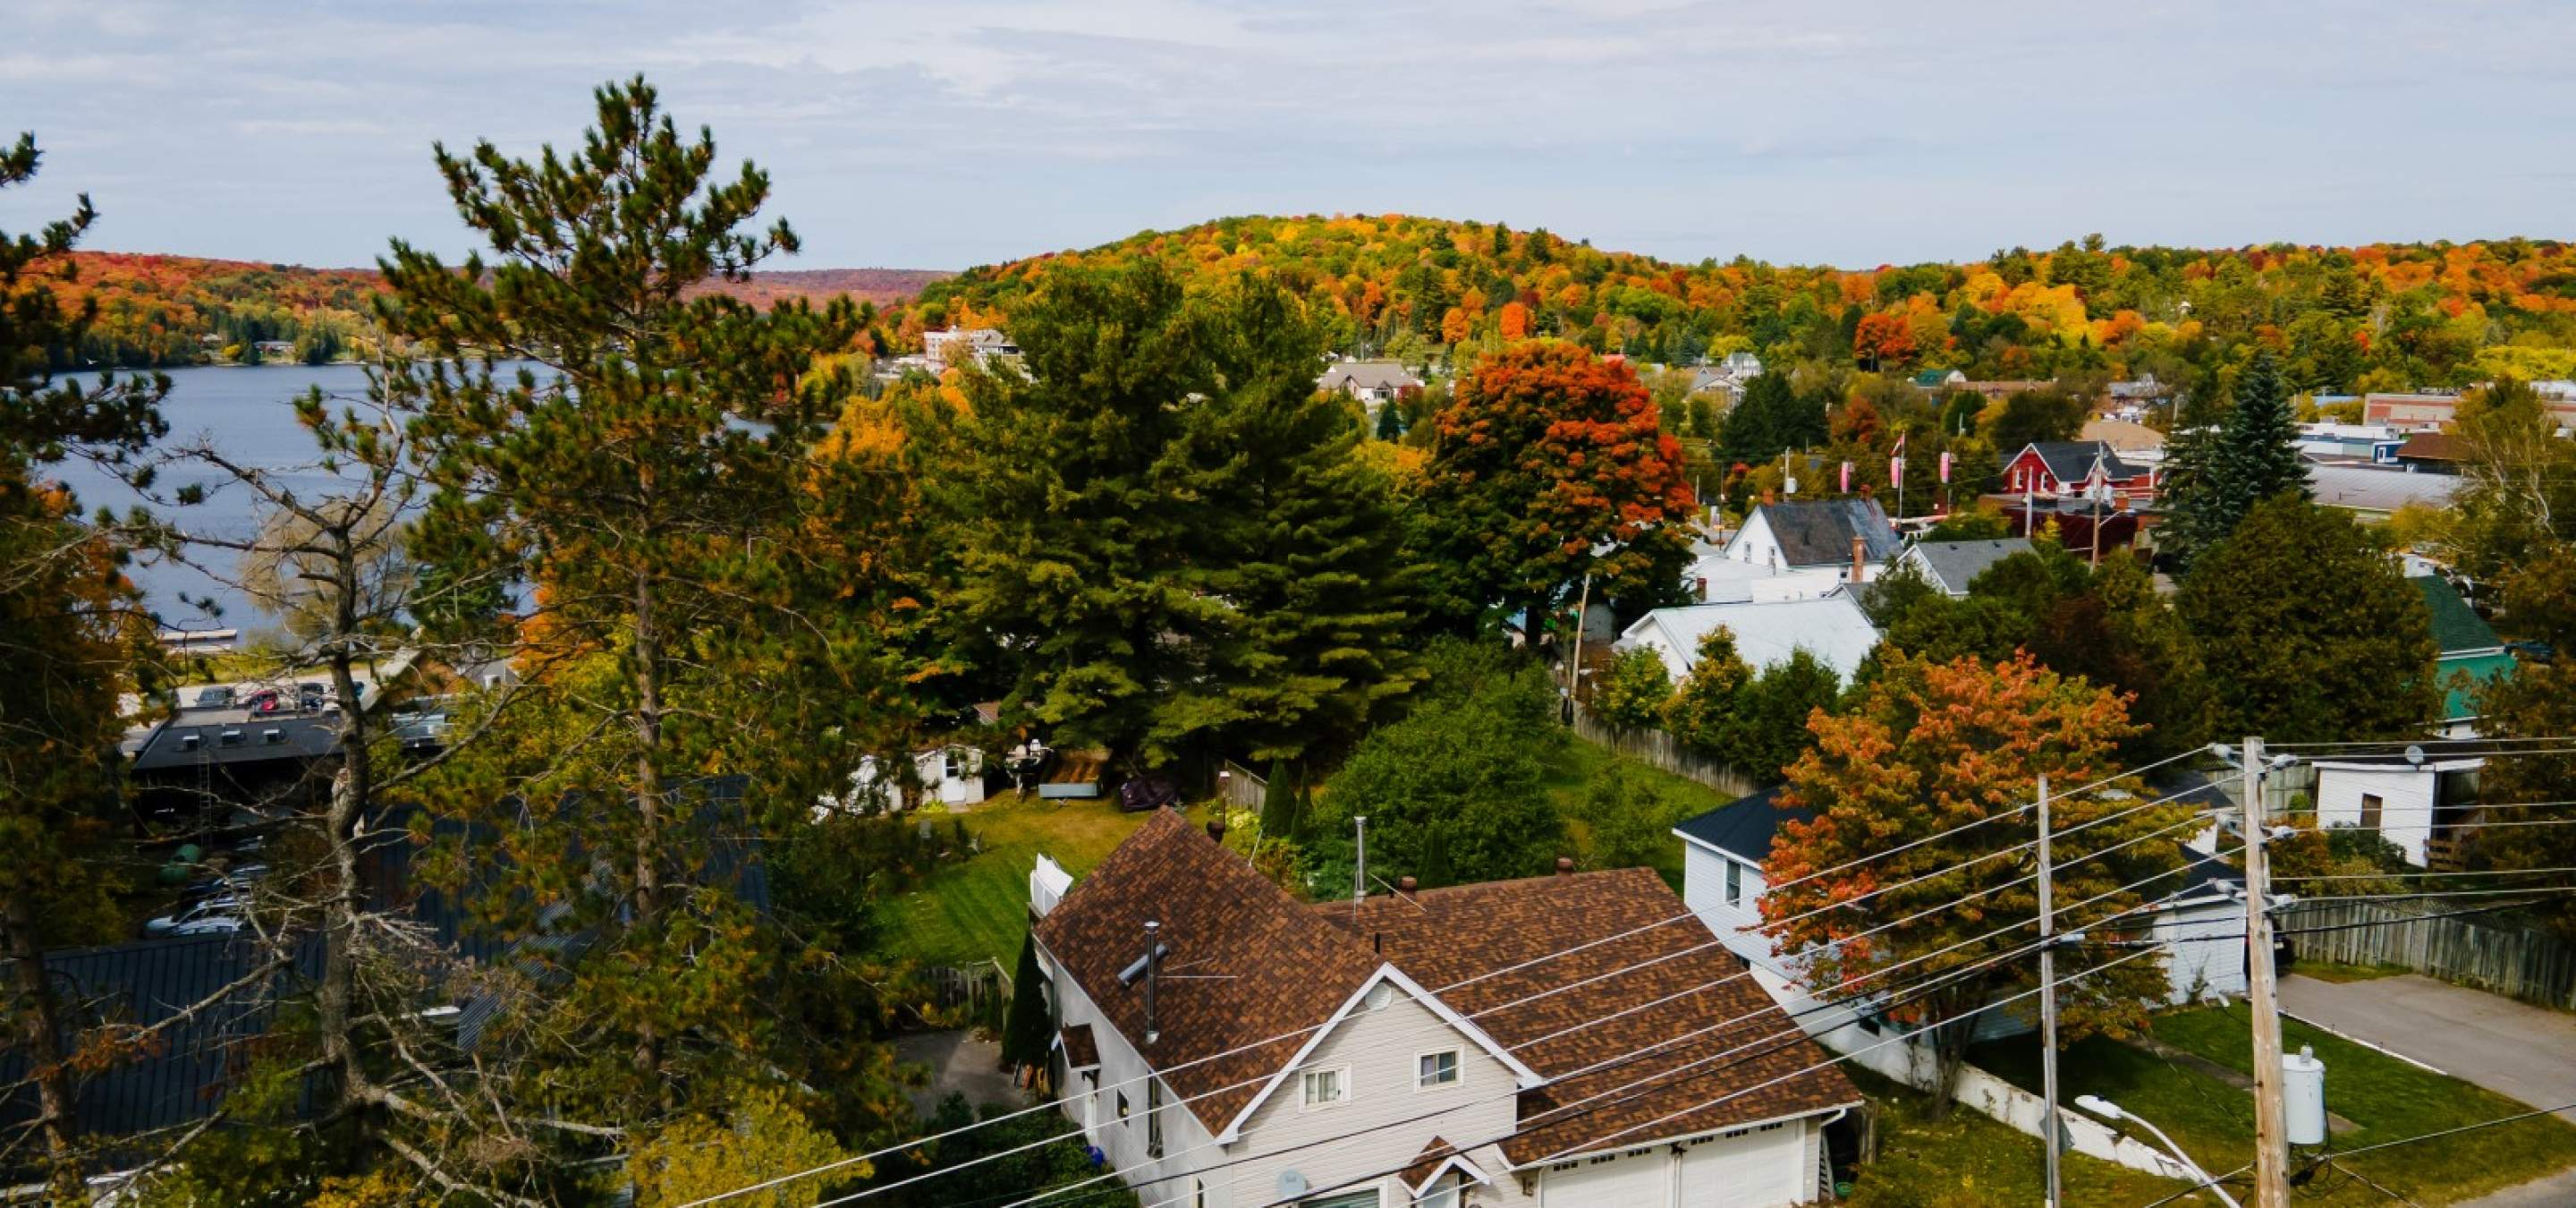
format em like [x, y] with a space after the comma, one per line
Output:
[2072, 460]
[2123, 435]
[1743, 828]
[1261, 964]
[1832, 628]
[2433, 446]
[2457, 629]
[1819, 532]
[1953, 565]
[1368, 375]
[1438, 1158]
[1529, 961]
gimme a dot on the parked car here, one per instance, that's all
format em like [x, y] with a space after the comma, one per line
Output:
[265, 701]
[209, 916]
[312, 697]
[215, 697]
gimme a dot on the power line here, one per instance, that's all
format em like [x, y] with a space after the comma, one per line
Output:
[1294, 1033]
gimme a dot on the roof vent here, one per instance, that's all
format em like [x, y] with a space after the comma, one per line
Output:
[1147, 967]
[1565, 866]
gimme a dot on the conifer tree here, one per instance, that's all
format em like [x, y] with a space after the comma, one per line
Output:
[2256, 459]
[71, 629]
[646, 472]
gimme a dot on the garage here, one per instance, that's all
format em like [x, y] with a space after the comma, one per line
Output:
[1758, 1168]
[1640, 1177]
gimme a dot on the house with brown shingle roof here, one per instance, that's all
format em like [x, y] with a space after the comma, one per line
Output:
[1580, 1038]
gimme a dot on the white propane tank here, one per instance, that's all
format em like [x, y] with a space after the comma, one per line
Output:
[2303, 1085]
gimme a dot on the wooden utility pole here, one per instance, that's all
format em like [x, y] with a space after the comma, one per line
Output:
[2048, 999]
[2271, 1131]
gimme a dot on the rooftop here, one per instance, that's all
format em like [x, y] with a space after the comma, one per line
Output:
[1832, 628]
[1819, 532]
[1953, 565]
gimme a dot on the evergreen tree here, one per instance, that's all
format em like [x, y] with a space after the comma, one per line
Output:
[1390, 420]
[2196, 512]
[648, 481]
[1030, 1027]
[71, 633]
[2309, 631]
[2256, 459]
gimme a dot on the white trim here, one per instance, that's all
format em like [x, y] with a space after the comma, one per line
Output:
[1457, 1069]
[1455, 1161]
[1628, 1147]
[1343, 1075]
[1706, 846]
[1527, 1078]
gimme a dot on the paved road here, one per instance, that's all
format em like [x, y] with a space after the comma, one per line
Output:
[2556, 1191]
[2519, 1051]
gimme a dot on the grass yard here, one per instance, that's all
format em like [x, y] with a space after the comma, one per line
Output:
[1971, 1160]
[2386, 1098]
[978, 908]
[1569, 778]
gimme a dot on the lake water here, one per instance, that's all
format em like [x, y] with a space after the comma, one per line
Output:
[248, 412]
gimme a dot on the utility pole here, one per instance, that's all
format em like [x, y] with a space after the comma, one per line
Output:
[1574, 666]
[2271, 1127]
[2048, 998]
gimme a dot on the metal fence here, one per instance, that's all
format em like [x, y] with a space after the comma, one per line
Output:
[1663, 751]
[2518, 962]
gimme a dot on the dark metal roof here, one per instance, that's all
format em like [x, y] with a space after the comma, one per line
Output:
[145, 983]
[2072, 460]
[239, 738]
[1819, 532]
[1744, 827]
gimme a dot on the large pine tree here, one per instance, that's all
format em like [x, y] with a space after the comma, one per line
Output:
[2221, 465]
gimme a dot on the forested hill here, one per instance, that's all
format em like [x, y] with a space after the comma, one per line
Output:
[182, 310]
[2384, 316]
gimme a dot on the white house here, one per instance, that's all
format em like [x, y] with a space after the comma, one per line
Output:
[1223, 1044]
[945, 346]
[2412, 798]
[1832, 628]
[1724, 850]
[1371, 382]
[950, 775]
[1842, 537]
[1953, 565]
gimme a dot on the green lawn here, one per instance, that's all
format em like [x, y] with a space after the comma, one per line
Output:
[1569, 777]
[978, 907]
[1970, 1160]
[2386, 1098]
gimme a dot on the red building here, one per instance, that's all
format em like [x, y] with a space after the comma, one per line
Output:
[2067, 469]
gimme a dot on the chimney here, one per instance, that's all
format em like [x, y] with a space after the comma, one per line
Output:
[1405, 884]
[1769, 496]
[1565, 866]
[1860, 558]
[1216, 828]
[1146, 967]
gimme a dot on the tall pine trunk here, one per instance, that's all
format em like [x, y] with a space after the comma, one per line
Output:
[648, 788]
[40, 1029]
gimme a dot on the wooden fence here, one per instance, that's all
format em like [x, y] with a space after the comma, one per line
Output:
[2518, 962]
[1242, 789]
[978, 985]
[1664, 751]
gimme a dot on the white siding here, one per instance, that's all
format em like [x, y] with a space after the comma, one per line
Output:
[2200, 961]
[1185, 1141]
[2406, 801]
[1368, 1132]
[1704, 891]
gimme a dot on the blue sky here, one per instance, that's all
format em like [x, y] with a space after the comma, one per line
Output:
[944, 135]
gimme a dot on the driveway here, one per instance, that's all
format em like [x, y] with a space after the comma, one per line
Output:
[961, 1064]
[2516, 1050]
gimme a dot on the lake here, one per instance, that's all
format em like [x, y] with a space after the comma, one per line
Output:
[248, 412]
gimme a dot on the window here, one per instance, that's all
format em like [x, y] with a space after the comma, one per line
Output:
[1435, 1069]
[1153, 1118]
[1734, 883]
[1122, 1107]
[1324, 1088]
[2370, 807]
[1441, 1194]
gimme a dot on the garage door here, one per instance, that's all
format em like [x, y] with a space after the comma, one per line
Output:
[1760, 1169]
[1639, 1179]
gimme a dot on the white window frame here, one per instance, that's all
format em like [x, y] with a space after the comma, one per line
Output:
[1734, 882]
[1305, 1084]
[1457, 1068]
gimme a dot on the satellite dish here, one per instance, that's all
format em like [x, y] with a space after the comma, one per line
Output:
[1292, 1183]
[2415, 755]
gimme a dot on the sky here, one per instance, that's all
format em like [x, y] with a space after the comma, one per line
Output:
[945, 135]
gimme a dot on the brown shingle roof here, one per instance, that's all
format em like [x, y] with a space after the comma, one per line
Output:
[1433, 1157]
[1081, 1051]
[1470, 930]
[1252, 963]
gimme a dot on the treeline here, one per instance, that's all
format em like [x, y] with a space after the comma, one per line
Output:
[2375, 317]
